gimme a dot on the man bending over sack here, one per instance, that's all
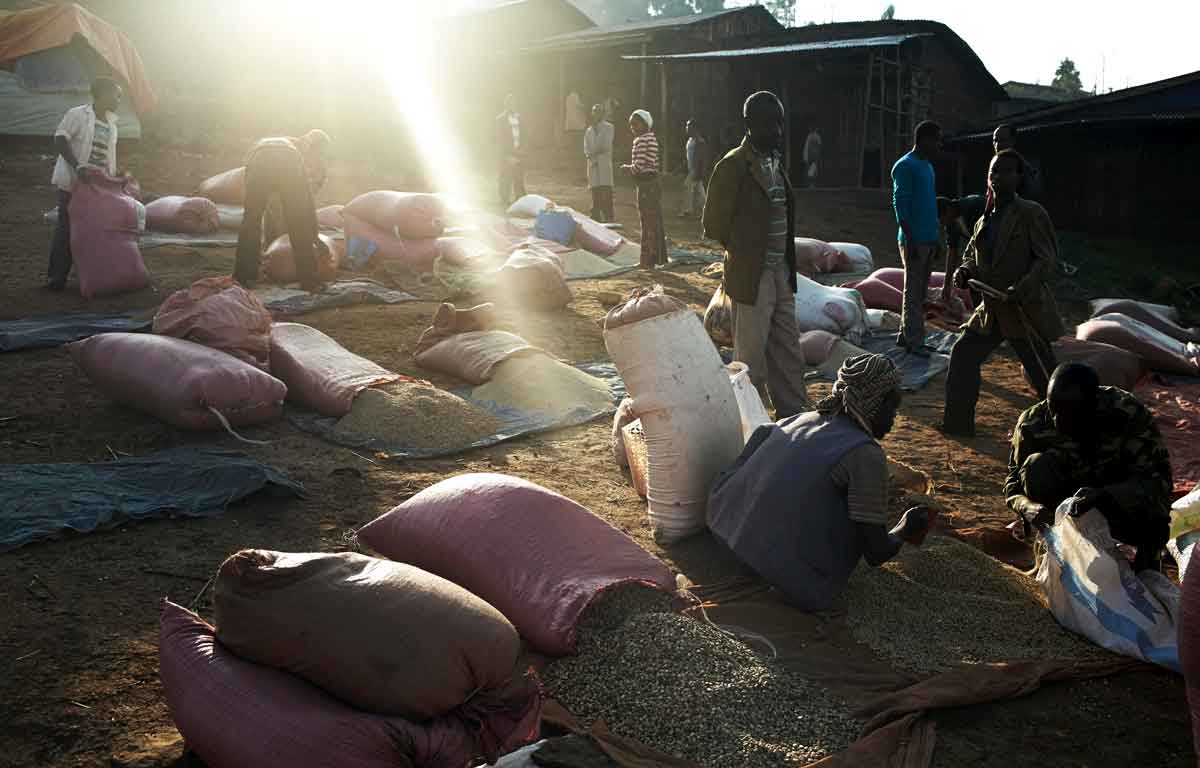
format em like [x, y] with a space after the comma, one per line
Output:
[808, 496]
[1100, 445]
[289, 169]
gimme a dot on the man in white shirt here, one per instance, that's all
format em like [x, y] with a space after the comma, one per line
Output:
[510, 144]
[81, 140]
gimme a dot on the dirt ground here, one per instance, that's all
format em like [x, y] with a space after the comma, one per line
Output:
[78, 615]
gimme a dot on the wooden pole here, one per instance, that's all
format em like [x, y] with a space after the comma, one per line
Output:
[666, 132]
[866, 121]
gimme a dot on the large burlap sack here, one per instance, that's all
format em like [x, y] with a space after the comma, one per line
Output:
[473, 355]
[105, 221]
[320, 373]
[642, 304]
[1116, 367]
[1148, 314]
[228, 187]
[593, 236]
[178, 381]
[367, 245]
[219, 313]
[459, 251]
[537, 556]
[234, 714]
[177, 213]
[1156, 349]
[279, 262]
[817, 257]
[330, 217]
[407, 215]
[884, 289]
[858, 256]
[829, 308]
[1165, 311]
[531, 277]
[381, 636]
[529, 206]
[816, 346]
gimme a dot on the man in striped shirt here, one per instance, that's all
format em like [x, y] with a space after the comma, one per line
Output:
[750, 210]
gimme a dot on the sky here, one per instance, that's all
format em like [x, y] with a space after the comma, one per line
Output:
[1116, 45]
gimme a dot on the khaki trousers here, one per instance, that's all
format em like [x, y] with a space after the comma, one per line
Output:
[766, 339]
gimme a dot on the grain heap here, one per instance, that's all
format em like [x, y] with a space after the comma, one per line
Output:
[947, 603]
[415, 416]
[685, 688]
[542, 383]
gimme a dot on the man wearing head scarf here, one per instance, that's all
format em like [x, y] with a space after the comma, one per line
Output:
[281, 176]
[808, 496]
[750, 210]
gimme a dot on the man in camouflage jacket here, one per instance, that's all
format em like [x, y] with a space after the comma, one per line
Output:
[1098, 444]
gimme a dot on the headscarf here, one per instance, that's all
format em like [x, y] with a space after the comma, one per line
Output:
[863, 383]
[645, 116]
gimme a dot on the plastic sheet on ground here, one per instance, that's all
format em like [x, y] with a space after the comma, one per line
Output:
[915, 371]
[225, 237]
[64, 327]
[290, 300]
[38, 501]
[516, 422]
[1175, 403]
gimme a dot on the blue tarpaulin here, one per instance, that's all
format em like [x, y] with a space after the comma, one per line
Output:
[38, 501]
[64, 327]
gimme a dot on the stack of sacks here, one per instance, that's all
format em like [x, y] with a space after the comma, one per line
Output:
[400, 227]
[1156, 349]
[279, 263]
[817, 257]
[339, 659]
[176, 213]
[1157, 316]
[482, 531]
[219, 313]
[828, 308]
[884, 289]
[531, 277]
[185, 384]
[228, 187]
[465, 344]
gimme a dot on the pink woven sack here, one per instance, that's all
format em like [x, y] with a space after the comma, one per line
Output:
[219, 313]
[104, 236]
[408, 215]
[321, 374]
[177, 213]
[235, 714]
[535, 555]
[179, 382]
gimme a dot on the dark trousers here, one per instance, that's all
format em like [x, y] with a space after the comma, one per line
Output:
[654, 235]
[278, 171]
[602, 204]
[964, 378]
[1050, 479]
[511, 181]
[60, 246]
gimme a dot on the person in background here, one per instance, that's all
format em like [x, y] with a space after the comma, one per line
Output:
[598, 148]
[1100, 446]
[751, 212]
[574, 118]
[812, 156]
[914, 198]
[808, 497]
[644, 168]
[696, 152]
[1013, 250]
[1005, 137]
[280, 167]
[86, 137]
[508, 149]
[956, 217]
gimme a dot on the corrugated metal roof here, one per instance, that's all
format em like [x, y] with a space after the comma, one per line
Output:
[639, 29]
[1156, 117]
[775, 50]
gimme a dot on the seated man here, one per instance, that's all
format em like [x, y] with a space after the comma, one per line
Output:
[1098, 444]
[287, 169]
[808, 496]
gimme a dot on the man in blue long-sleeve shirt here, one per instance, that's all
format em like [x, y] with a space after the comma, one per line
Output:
[914, 197]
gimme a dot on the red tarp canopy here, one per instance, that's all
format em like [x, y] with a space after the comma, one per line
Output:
[52, 26]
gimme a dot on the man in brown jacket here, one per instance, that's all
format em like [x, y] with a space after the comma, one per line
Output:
[750, 211]
[1013, 250]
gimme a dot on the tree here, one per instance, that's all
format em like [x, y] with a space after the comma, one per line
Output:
[783, 10]
[889, 13]
[1067, 77]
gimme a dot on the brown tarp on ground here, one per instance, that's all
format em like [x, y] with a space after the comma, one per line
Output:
[52, 26]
